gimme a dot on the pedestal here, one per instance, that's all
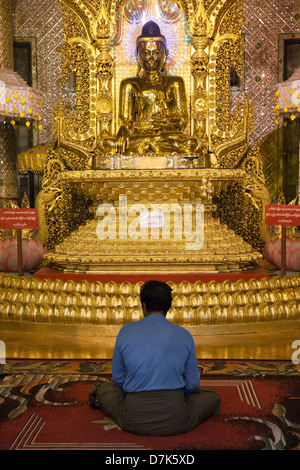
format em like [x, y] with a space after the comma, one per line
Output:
[152, 221]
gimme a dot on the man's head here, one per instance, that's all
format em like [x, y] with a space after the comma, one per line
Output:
[156, 297]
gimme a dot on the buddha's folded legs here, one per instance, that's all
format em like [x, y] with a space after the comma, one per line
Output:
[161, 143]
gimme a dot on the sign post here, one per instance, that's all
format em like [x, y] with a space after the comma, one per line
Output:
[19, 219]
[20, 255]
[284, 215]
[283, 250]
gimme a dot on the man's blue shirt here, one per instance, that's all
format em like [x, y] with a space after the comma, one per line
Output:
[155, 354]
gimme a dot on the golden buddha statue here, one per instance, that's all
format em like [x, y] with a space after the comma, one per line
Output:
[153, 108]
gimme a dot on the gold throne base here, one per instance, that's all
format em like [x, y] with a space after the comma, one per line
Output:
[265, 304]
[169, 250]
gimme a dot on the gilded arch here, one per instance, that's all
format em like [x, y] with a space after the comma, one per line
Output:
[90, 27]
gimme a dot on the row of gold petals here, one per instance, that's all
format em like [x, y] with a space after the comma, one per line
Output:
[121, 315]
[28, 299]
[194, 300]
[110, 287]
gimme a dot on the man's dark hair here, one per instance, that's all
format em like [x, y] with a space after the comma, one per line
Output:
[156, 296]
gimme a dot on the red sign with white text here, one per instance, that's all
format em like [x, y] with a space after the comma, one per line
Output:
[282, 215]
[18, 218]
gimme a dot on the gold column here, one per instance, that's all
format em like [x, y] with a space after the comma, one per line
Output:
[199, 61]
[8, 164]
[104, 75]
[199, 72]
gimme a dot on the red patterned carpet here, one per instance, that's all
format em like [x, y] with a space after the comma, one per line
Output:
[43, 407]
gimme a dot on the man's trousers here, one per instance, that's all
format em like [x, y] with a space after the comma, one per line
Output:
[165, 412]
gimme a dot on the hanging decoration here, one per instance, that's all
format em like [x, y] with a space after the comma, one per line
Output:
[287, 97]
[18, 101]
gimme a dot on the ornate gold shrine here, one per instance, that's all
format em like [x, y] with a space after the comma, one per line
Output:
[99, 37]
[205, 39]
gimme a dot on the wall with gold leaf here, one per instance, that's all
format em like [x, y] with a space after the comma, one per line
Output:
[40, 22]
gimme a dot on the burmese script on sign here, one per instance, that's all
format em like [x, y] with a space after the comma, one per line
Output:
[282, 215]
[18, 218]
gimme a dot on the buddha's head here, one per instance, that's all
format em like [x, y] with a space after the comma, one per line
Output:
[151, 48]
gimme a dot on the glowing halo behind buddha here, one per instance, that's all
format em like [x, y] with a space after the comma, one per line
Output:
[169, 18]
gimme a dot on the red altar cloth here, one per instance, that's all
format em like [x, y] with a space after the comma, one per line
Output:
[133, 278]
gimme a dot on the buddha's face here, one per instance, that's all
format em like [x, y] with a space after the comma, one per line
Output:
[151, 55]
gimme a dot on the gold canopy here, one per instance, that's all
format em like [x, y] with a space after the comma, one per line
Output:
[33, 159]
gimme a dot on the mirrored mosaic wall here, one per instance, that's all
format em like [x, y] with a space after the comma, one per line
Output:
[39, 22]
[267, 24]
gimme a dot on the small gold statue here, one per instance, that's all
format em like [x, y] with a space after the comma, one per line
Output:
[153, 108]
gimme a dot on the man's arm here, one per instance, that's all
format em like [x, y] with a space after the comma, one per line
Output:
[118, 370]
[191, 374]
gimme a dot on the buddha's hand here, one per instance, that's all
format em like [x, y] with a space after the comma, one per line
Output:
[122, 140]
[177, 122]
